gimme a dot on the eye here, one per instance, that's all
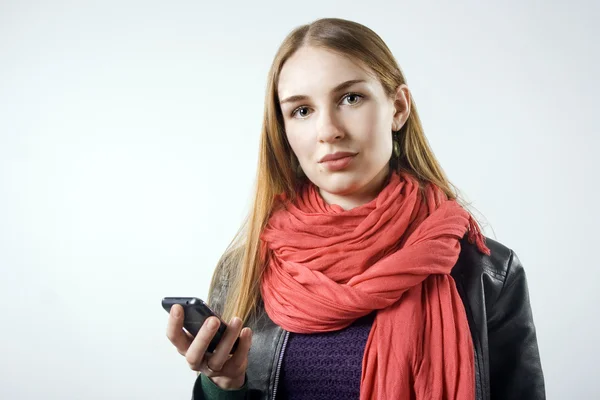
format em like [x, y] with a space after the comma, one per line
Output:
[353, 98]
[303, 112]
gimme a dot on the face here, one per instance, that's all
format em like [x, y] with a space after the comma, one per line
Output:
[336, 109]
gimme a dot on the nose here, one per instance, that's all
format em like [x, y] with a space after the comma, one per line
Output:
[328, 127]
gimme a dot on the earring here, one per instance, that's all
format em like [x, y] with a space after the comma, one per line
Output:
[396, 144]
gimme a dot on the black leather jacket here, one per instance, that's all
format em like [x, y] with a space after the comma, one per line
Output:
[494, 292]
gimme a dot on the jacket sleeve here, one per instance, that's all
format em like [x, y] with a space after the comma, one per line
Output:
[205, 389]
[515, 366]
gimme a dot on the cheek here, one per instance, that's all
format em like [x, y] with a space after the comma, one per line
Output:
[384, 123]
[371, 119]
[301, 143]
[373, 130]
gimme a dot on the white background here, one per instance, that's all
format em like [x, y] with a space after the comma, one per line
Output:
[128, 145]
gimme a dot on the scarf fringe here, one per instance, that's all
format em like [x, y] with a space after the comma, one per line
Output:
[476, 237]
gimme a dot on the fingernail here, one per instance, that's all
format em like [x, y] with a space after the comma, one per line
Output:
[175, 312]
[212, 323]
[234, 322]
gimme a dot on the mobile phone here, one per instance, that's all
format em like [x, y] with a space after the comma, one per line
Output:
[195, 313]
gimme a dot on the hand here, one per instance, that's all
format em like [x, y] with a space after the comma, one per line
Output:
[225, 370]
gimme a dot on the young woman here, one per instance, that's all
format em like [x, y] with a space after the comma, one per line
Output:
[358, 273]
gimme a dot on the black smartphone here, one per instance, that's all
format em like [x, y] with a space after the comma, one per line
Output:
[195, 313]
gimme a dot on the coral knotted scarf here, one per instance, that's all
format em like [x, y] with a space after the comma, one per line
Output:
[327, 266]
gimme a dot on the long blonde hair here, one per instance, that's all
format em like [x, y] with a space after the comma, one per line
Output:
[276, 174]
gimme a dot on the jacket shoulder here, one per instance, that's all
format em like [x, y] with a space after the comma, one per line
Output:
[493, 272]
[494, 291]
[496, 265]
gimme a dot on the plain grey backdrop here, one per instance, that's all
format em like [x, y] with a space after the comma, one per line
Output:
[128, 145]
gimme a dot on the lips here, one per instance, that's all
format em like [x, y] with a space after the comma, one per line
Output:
[336, 156]
[337, 161]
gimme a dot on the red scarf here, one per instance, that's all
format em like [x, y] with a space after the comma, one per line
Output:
[328, 266]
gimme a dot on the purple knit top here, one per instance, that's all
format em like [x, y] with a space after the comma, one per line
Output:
[325, 366]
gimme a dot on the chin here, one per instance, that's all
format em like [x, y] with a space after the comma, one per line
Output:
[341, 183]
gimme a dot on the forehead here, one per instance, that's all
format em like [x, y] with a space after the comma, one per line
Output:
[313, 71]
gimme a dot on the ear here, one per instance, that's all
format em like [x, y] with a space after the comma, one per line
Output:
[402, 102]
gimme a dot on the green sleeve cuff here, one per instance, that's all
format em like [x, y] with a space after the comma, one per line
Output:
[213, 392]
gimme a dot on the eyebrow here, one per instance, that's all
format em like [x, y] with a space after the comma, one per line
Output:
[338, 88]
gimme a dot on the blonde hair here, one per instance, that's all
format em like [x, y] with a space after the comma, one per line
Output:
[276, 174]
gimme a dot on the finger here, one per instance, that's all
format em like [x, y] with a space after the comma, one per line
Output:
[180, 339]
[240, 357]
[195, 353]
[223, 349]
